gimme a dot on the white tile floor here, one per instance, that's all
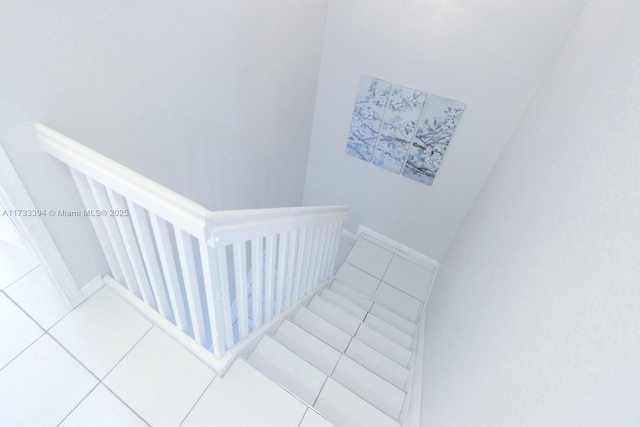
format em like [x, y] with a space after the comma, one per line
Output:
[103, 364]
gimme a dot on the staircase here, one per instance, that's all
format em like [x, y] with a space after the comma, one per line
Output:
[346, 353]
[252, 294]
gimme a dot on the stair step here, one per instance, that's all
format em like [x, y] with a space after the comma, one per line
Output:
[375, 390]
[378, 363]
[287, 369]
[357, 279]
[334, 315]
[384, 345]
[307, 346]
[353, 295]
[389, 331]
[316, 325]
[345, 408]
[344, 303]
[392, 318]
[397, 301]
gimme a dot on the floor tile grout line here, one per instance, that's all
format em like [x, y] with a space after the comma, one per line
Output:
[125, 403]
[33, 318]
[78, 404]
[128, 351]
[25, 312]
[21, 277]
[197, 400]
[304, 415]
[73, 356]
[75, 308]
[100, 381]
[20, 353]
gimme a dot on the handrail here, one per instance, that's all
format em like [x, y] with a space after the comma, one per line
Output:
[216, 275]
[168, 204]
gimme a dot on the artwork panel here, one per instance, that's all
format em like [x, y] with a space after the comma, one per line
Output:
[438, 121]
[437, 125]
[390, 154]
[417, 175]
[359, 150]
[371, 100]
[402, 113]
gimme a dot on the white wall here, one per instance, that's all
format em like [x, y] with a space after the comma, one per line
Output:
[213, 99]
[535, 317]
[490, 54]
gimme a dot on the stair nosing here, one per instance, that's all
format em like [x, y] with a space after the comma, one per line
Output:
[404, 368]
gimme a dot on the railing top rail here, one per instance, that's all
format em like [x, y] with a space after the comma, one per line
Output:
[235, 217]
[171, 206]
[163, 202]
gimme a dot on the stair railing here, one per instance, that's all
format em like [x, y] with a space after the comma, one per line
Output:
[217, 276]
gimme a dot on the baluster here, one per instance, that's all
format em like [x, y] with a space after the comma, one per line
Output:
[141, 228]
[337, 235]
[318, 255]
[309, 261]
[299, 272]
[240, 272]
[325, 251]
[213, 289]
[113, 232]
[184, 244]
[283, 242]
[82, 183]
[270, 252]
[329, 248]
[291, 266]
[170, 271]
[257, 281]
[223, 271]
[336, 244]
[131, 246]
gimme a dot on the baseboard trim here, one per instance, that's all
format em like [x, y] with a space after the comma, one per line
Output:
[347, 235]
[399, 247]
[91, 287]
[412, 412]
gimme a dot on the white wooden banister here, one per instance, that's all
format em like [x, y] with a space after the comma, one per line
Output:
[217, 276]
[167, 204]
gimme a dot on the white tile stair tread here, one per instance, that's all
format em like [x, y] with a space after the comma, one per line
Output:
[370, 257]
[353, 295]
[357, 279]
[378, 363]
[344, 303]
[375, 390]
[397, 301]
[345, 408]
[287, 369]
[322, 329]
[334, 315]
[384, 345]
[393, 319]
[389, 331]
[313, 350]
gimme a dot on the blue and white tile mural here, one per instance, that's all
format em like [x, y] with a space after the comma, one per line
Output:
[403, 130]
